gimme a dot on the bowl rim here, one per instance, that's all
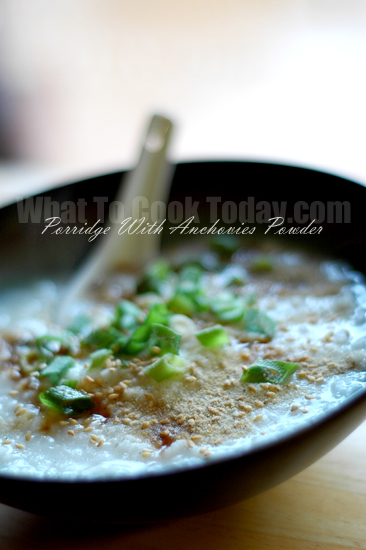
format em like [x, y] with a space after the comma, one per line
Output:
[270, 441]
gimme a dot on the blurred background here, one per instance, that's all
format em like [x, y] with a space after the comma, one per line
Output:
[272, 80]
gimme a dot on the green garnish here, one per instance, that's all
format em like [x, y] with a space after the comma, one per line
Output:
[164, 339]
[127, 315]
[81, 326]
[225, 245]
[57, 368]
[166, 367]
[49, 345]
[228, 309]
[182, 303]
[138, 340]
[158, 313]
[262, 264]
[154, 277]
[103, 337]
[70, 383]
[258, 322]
[213, 337]
[66, 400]
[275, 372]
[99, 357]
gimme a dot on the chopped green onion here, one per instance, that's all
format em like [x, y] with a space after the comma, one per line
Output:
[103, 337]
[261, 264]
[166, 367]
[57, 368]
[258, 322]
[99, 357]
[227, 308]
[127, 315]
[138, 340]
[49, 345]
[275, 372]
[182, 303]
[118, 346]
[66, 400]
[154, 277]
[225, 245]
[70, 383]
[189, 278]
[212, 337]
[81, 326]
[158, 313]
[164, 339]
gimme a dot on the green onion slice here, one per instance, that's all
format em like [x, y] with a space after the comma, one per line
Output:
[57, 368]
[182, 303]
[165, 339]
[49, 345]
[158, 313]
[261, 264]
[167, 366]
[66, 400]
[103, 337]
[81, 326]
[99, 357]
[275, 372]
[154, 277]
[138, 340]
[258, 322]
[225, 245]
[212, 337]
[127, 315]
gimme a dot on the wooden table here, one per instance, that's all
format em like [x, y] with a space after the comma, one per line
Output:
[323, 507]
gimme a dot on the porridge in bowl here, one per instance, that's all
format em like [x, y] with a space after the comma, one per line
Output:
[199, 356]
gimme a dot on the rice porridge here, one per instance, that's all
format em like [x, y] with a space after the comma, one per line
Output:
[196, 357]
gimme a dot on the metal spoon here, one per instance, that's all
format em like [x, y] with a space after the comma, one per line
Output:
[147, 183]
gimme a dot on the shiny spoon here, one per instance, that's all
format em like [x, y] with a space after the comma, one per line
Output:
[148, 183]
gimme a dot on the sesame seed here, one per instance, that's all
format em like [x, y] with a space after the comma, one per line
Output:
[19, 446]
[89, 429]
[12, 393]
[89, 379]
[6, 442]
[126, 421]
[28, 436]
[71, 432]
[146, 453]
[94, 437]
[258, 403]
[21, 411]
[113, 396]
[64, 422]
[259, 417]
[294, 407]
[156, 350]
[305, 410]
[100, 442]
[309, 396]
[145, 425]
[73, 421]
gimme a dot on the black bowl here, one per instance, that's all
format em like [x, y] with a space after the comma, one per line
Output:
[313, 200]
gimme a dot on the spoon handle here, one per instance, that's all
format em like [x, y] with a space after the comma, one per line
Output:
[148, 183]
